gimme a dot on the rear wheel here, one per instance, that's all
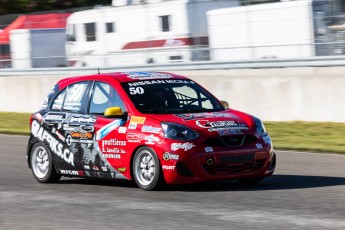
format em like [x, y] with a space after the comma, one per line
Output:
[41, 162]
[147, 172]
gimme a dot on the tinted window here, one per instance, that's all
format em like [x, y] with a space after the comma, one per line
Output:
[74, 97]
[4, 49]
[171, 96]
[90, 31]
[165, 23]
[58, 102]
[104, 96]
[110, 27]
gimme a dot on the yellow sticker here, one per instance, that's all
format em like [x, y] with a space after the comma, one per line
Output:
[138, 120]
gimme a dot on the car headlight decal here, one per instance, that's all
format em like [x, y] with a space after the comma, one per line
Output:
[260, 128]
[178, 132]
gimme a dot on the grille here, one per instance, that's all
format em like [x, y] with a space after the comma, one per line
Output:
[230, 141]
[218, 169]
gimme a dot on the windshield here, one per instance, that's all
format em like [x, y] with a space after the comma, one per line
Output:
[170, 97]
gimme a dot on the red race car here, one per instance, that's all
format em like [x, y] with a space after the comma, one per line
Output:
[150, 127]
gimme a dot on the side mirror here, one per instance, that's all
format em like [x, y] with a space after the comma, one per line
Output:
[115, 112]
[225, 104]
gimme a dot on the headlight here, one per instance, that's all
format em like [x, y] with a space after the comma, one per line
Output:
[260, 128]
[178, 132]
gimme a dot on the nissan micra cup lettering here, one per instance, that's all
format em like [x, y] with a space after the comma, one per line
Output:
[153, 128]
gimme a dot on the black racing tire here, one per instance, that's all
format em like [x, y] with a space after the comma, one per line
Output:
[147, 170]
[42, 166]
[251, 181]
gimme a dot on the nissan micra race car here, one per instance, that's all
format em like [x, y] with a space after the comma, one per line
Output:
[150, 127]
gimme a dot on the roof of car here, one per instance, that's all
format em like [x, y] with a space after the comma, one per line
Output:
[123, 77]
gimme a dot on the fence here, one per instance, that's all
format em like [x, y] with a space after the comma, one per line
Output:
[276, 94]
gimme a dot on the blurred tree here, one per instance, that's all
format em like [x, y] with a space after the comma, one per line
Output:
[252, 2]
[27, 6]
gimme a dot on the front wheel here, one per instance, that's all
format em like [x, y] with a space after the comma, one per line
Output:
[147, 172]
[41, 162]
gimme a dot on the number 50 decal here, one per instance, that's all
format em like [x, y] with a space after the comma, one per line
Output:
[137, 90]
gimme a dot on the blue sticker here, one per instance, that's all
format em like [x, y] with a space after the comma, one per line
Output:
[107, 129]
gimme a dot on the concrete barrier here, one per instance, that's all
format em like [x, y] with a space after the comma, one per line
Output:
[277, 94]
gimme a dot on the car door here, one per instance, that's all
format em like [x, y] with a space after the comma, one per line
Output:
[109, 153]
[65, 121]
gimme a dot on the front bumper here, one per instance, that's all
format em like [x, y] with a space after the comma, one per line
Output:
[221, 165]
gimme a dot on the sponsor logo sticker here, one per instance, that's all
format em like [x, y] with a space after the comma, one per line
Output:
[170, 156]
[132, 126]
[122, 130]
[150, 129]
[135, 137]
[193, 116]
[82, 119]
[60, 136]
[185, 146]
[113, 142]
[225, 132]
[82, 135]
[122, 169]
[70, 172]
[208, 149]
[105, 130]
[168, 167]
[137, 120]
[138, 75]
[154, 82]
[151, 139]
[112, 156]
[54, 117]
[220, 125]
[259, 146]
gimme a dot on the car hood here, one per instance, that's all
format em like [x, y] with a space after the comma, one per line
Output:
[211, 121]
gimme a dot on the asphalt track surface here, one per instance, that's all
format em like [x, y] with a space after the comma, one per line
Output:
[307, 191]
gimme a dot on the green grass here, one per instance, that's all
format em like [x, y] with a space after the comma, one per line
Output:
[306, 136]
[15, 123]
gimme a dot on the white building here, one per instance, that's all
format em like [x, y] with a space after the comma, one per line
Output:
[139, 32]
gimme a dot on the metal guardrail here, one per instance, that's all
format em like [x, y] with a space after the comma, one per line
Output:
[325, 61]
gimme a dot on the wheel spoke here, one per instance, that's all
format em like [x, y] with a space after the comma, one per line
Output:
[145, 159]
[39, 160]
[152, 171]
[45, 165]
[45, 158]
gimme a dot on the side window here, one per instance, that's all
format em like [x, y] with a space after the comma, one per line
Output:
[110, 27]
[74, 97]
[57, 104]
[71, 33]
[104, 96]
[165, 23]
[90, 31]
